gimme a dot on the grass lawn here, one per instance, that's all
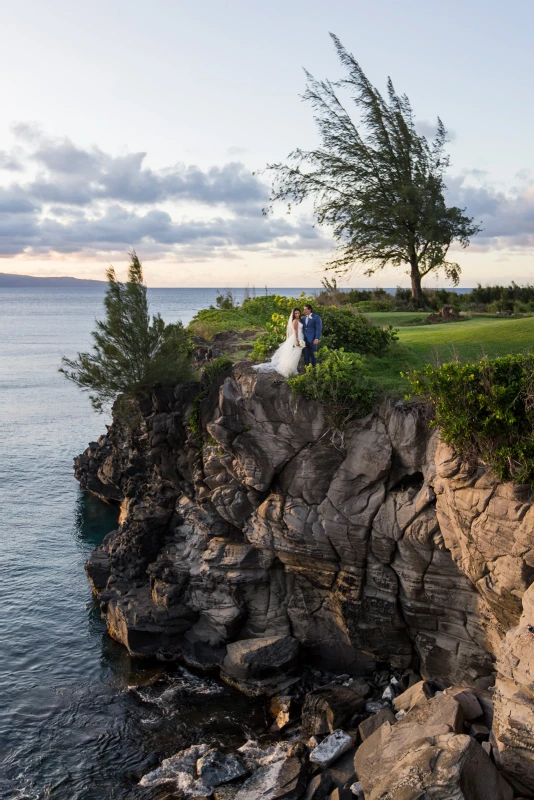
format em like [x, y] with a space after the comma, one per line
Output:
[397, 318]
[436, 344]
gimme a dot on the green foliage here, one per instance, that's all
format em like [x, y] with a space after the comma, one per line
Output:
[209, 375]
[379, 185]
[341, 384]
[275, 334]
[131, 351]
[276, 324]
[226, 300]
[352, 331]
[342, 328]
[254, 313]
[485, 410]
[214, 368]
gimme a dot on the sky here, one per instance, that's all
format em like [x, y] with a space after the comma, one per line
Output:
[135, 124]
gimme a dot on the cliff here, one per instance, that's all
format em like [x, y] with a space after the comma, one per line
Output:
[267, 537]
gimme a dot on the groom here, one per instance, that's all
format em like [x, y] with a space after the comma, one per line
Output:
[312, 327]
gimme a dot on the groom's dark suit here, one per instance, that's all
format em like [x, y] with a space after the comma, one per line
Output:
[312, 327]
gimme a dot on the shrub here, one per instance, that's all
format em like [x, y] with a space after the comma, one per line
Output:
[226, 300]
[266, 344]
[485, 411]
[214, 368]
[255, 312]
[350, 330]
[339, 382]
[370, 306]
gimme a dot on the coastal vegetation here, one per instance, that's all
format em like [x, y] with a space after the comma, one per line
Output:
[378, 185]
[132, 351]
[485, 410]
[341, 384]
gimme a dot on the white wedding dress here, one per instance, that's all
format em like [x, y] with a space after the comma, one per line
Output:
[286, 359]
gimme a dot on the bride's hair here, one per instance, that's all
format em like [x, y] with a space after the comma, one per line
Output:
[293, 313]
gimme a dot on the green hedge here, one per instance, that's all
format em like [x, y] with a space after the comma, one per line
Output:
[350, 330]
[485, 411]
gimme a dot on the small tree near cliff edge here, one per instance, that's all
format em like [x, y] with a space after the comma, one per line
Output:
[379, 185]
[131, 351]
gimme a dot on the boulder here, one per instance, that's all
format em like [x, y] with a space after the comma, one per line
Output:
[479, 732]
[215, 768]
[261, 666]
[417, 693]
[331, 749]
[341, 793]
[179, 772]
[371, 724]
[441, 766]
[468, 701]
[422, 753]
[439, 710]
[280, 708]
[342, 770]
[252, 658]
[330, 707]
[319, 787]
[283, 780]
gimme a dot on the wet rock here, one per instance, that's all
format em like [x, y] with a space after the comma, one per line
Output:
[371, 724]
[179, 773]
[283, 780]
[214, 768]
[330, 707]
[331, 749]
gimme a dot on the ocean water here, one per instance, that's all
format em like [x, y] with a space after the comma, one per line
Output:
[69, 726]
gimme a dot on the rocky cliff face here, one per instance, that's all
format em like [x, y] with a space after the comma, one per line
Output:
[267, 537]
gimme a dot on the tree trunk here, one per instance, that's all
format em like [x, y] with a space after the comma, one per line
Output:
[417, 292]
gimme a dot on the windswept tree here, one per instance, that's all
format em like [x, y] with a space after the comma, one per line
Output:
[377, 183]
[131, 351]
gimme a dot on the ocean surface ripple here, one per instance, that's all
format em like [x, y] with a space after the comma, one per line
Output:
[70, 726]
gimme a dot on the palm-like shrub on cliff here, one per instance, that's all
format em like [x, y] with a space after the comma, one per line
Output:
[340, 383]
[132, 351]
[485, 410]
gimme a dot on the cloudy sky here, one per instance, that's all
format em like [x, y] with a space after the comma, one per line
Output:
[137, 123]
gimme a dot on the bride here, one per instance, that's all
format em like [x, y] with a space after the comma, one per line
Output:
[286, 359]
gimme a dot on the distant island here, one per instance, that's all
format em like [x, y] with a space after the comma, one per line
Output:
[10, 281]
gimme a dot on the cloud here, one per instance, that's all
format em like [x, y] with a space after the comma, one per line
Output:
[507, 217]
[429, 129]
[73, 199]
[70, 174]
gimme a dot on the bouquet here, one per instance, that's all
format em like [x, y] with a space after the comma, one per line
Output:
[300, 343]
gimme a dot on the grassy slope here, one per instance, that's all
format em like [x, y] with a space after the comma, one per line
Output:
[435, 344]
